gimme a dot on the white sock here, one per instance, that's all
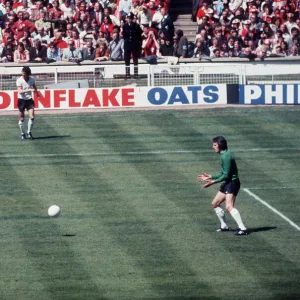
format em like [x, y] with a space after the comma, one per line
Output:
[21, 125]
[30, 125]
[221, 215]
[237, 217]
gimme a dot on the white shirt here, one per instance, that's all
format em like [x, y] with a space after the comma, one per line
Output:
[157, 17]
[68, 11]
[23, 84]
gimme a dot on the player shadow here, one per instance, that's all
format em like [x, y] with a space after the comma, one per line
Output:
[259, 229]
[51, 137]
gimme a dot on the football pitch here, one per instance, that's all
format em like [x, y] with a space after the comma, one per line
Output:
[135, 223]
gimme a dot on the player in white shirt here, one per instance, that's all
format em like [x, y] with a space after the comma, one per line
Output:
[26, 86]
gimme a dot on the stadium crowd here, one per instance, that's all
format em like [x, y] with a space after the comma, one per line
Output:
[90, 30]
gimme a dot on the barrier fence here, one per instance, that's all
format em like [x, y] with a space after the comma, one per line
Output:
[212, 94]
[106, 76]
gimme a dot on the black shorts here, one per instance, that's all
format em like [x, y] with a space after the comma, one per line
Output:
[25, 104]
[230, 187]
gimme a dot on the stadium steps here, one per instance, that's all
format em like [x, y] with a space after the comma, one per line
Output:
[181, 12]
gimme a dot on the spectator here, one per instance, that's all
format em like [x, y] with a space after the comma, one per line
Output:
[166, 48]
[216, 53]
[200, 50]
[42, 22]
[156, 19]
[263, 51]
[101, 52]
[35, 11]
[116, 47]
[166, 24]
[294, 51]
[285, 33]
[225, 17]
[224, 49]
[85, 30]
[202, 11]
[107, 25]
[88, 52]
[125, 7]
[144, 16]
[108, 13]
[7, 25]
[71, 54]
[18, 6]
[215, 45]
[82, 12]
[42, 36]
[53, 53]
[152, 8]
[22, 25]
[78, 43]
[181, 44]
[150, 48]
[38, 53]
[97, 13]
[56, 11]
[27, 40]
[285, 48]
[195, 7]
[67, 8]
[58, 40]
[94, 25]
[21, 55]
[7, 50]
[267, 14]
[237, 49]
[278, 51]
[246, 53]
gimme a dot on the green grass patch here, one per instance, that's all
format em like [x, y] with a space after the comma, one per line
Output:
[135, 223]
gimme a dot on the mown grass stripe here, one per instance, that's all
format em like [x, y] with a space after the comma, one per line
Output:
[136, 153]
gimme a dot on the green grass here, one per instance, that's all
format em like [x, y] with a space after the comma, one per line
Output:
[135, 223]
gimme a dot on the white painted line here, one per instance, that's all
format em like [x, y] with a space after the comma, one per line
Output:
[272, 208]
[274, 188]
[158, 152]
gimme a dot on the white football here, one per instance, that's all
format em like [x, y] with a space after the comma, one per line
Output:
[53, 211]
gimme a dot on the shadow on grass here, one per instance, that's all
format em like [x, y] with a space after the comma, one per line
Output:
[51, 137]
[259, 229]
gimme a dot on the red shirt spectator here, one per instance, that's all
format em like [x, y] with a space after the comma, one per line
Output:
[22, 25]
[58, 41]
[152, 7]
[55, 10]
[107, 25]
[17, 5]
[82, 10]
[202, 11]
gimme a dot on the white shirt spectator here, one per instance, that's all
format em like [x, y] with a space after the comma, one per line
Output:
[145, 17]
[114, 20]
[235, 4]
[44, 38]
[157, 17]
[125, 6]
[68, 10]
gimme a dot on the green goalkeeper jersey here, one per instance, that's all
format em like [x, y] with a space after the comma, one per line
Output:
[229, 169]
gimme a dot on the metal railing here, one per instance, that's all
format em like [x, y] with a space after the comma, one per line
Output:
[104, 76]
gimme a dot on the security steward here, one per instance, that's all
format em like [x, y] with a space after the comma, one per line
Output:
[132, 35]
